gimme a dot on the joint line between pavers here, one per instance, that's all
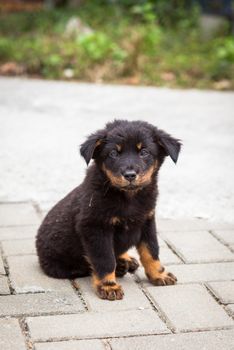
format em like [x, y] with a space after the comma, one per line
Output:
[174, 250]
[40, 314]
[25, 331]
[221, 241]
[228, 311]
[107, 338]
[78, 292]
[211, 329]
[160, 313]
[106, 344]
[14, 202]
[212, 294]
[24, 225]
[188, 262]
[101, 337]
[199, 262]
[37, 208]
[7, 269]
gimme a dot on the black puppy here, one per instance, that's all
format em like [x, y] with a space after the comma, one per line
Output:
[92, 228]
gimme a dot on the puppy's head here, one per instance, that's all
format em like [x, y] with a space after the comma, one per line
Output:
[130, 153]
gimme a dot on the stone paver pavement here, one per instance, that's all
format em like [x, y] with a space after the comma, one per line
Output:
[186, 341]
[42, 313]
[11, 336]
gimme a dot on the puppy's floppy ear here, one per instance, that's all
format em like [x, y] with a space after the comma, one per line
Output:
[170, 145]
[89, 149]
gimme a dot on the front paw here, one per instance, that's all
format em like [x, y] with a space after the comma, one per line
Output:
[133, 265]
[121, 267]
[163, 279]
[110, 290]
[126, 265]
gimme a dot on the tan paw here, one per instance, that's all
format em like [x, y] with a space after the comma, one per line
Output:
[163, 279]
[110, 290]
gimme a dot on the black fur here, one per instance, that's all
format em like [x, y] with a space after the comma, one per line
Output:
[100, 220]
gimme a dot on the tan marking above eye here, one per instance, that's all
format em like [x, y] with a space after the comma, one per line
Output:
[98, 143]
[118, 147]
[139, 146]
[115, 220]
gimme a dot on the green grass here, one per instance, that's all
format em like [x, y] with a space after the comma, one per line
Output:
[126, 46]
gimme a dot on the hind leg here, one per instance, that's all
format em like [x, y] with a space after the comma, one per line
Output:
[57, 269]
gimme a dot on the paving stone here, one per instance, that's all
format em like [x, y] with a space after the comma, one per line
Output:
[27, 277]
[168, 257]
[226, 236]
[16, 214]
[18, 232]
[230, 309]
[194, 224]
[4, 287]
[19, 247]
[96, 325]
[95, 344]
[203, 272]
[11, 337]
[190, 307]
[2, 269]
[198, 246]
[192, 341]
[224, 291]
[194, 273]
[40, 303]
[134, 298]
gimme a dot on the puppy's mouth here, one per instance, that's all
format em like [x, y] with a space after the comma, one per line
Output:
[131, 187]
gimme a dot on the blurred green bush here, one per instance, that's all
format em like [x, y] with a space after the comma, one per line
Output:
[143, 42]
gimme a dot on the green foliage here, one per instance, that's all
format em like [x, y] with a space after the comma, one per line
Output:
[145, 12]
[6, 48]
[225, 50]
[147, 42]
[96, 46]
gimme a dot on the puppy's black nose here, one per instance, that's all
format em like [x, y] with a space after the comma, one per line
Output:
[130, 175]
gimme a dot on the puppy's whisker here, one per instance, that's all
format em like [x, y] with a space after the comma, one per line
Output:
[90, 202]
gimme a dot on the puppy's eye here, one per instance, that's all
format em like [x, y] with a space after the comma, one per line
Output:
[113, 153]
[144, 153]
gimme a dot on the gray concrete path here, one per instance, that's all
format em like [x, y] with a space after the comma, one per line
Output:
[42, 313]
[42, 123]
